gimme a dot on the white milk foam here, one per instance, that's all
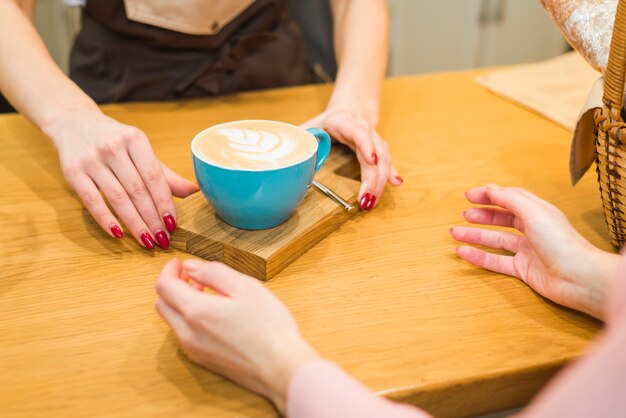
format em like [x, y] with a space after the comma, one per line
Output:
[255, 145]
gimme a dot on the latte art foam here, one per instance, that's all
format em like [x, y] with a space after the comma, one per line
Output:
[255, 145]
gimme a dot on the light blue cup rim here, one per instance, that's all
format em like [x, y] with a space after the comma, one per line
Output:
[214, 164]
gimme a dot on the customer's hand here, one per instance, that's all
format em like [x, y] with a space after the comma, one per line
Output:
[240, 330]
[551, 256]
[357, 130]
[101, 155]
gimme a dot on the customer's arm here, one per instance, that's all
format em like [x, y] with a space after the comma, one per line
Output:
[246, 334]
[97, 154]
[594, 385]
[351, 116]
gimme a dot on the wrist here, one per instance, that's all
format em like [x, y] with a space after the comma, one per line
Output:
[290, 356]
[599, 285]
[360, 104]
[54, 124]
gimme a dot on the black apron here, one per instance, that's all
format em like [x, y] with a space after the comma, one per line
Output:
[115, 59]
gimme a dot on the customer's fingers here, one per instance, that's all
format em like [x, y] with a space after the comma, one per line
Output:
[516, 200]
[499, 240]
[121, 203]
[513, 199]
[497, 263]
[490, 216]
[478, 195]
[173, 319]
[173, 268]
[180, 186]
[219, 277]
[92, 199]
[127, 174]
[190, 303]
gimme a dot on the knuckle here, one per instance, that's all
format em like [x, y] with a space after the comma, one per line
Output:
[71, 170]
[90, 198]
[194, 314]
[153, 176]
[111, 148]
[101, 215]
[153, 221]
[137, 189]
[163, 202]
[116, 196]
[132, 134]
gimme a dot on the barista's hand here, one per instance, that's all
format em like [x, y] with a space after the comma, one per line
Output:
[357, 130]
[550, 256]
[101, 155]
[241, 330]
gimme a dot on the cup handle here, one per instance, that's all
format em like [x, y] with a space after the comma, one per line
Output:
[323, 146]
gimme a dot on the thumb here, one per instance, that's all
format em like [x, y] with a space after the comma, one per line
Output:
[180, 186]
[172, 268]
[314, 122]
[218, 276]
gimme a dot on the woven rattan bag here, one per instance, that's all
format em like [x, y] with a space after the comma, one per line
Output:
[610, 134]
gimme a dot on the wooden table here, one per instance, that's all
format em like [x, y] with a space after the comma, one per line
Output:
[384, 296]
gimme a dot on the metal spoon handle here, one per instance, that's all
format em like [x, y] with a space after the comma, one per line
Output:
[334, 196]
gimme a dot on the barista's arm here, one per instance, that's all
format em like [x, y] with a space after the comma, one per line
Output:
[29, 78]
[360, 30]
[97, 153]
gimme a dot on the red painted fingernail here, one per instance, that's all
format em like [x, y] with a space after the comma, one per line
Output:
[374, 158]
[400, 179]
[117, 231]
[364, 199]
[370, 203]
[170, 222]
[147, 240]
[162, 240]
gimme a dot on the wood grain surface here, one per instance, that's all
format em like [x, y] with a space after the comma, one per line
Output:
[384, 296]
[264, 253]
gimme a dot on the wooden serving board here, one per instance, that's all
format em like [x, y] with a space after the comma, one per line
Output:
[264, 253]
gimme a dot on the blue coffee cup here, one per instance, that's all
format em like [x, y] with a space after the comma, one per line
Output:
[258, 198]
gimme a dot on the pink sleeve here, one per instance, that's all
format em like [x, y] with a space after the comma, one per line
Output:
[320, 389]
[593, 386]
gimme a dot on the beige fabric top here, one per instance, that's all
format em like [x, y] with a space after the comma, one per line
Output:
[193, 17]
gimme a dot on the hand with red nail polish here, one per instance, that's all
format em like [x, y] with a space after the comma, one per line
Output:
[169, 222]
[147, 240]
[105, 160]
[116, 230]
[364, 201]
[162, 240]
[354, 124]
